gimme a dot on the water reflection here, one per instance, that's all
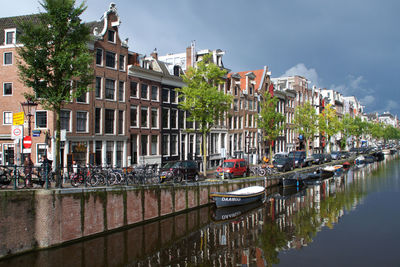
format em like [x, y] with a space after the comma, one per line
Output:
[252, 235]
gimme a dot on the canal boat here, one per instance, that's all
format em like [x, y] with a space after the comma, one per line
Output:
[297, 179]
[335, 169]
[238, 197]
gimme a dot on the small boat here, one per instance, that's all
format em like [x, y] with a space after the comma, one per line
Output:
[379, 155]
[238, 197]
[369, 159]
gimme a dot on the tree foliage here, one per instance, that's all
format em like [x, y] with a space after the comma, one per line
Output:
[345, 126]
[204, 102]
[55, 52]
[270, 121]
[306, 122]
[328, 123]
[357, 129]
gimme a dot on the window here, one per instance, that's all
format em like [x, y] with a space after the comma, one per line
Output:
[173, 96]
[174, 114]
[109, 152]
[154, 118]
[134, 149]
[10, 37]
[120, 122]
[99, 57]
[144, 92]
[143, 141]
[181, 119]
[154, 144]
[81, 121]
[110, 89]
[97, 120]
[7, 89]
[109, 121]
[121, 91]
[121, 62]
[111, 36]
[165, 95]
[134, 89]
[110, 59]
[41, 119]
[134, 116]
[119, 153]
[144, 117]
[235, 105]
[98, 87]
[7, 117]
[8, 58]
[65, 120]
[251, 89]
[82, 98]
[164, 143]
[165, 118]
[154, 93]
[174, 144]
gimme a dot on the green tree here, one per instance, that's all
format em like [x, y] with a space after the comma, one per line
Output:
[270, 121]
[306, 122]
[390, 133]
[328, 123]
[357, 129]
[376, 129]
[55, 52]
[202, 99]
[346, 125]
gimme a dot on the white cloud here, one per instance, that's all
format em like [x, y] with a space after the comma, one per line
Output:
[354, 86]
[367, 100]
[301, 70]
[392, 105]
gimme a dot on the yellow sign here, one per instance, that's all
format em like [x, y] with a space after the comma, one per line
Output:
[18, 118]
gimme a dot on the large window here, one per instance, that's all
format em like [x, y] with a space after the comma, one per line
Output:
[144, 143]
[7, 117]
[110, 59]
[144, 117]
[121, 91]
[174, 144]
[8, 58]
[165, 118]
[121, 62]
[134, 89]
[134, 116]
[144, 91]
[81, 121]
[154, 118]
[99, 57]
[154, 93]
[173, 96]
[110, 89]
[165, 143]
[174, 117]
[7, 89]
[97, 120]
[154, 144]
[165, 95]
[121, 122]
[109, 121]
[41, 119]
[65, 120]
[98, 87]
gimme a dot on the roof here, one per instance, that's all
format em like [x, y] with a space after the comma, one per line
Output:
[13, 22]
[258, 78]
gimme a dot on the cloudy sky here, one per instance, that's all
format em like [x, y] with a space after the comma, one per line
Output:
[352, 46]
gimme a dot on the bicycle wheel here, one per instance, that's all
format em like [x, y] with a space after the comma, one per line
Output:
[112, 178]
[93, 179]
[262, 172]
[75, 181]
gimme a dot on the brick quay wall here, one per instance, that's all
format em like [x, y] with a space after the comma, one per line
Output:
[35, 219]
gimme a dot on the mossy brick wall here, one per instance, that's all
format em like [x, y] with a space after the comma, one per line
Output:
[31, 219]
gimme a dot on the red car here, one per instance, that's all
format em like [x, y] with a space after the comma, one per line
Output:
[232, 168]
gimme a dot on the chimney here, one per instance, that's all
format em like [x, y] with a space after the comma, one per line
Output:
[154, 54]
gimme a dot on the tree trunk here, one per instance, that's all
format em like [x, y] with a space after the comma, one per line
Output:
[205, 154]
[270, 152]
[306, 140]
[57, 156]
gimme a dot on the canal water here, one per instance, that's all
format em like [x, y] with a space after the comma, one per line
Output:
[349, 220]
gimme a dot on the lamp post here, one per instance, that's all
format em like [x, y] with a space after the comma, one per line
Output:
[29, 108]
[248, 147]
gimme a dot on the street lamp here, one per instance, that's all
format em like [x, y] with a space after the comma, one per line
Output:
[29, 108]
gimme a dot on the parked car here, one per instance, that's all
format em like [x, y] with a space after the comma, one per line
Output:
[327, 157]
[232, 168]
[318, 158]
[283, 164]
[180, 171]
[345, 154]
[280, 155]
[336, 155]
[299, 158]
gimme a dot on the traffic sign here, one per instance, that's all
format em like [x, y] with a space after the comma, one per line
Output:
[27, 142]
[16, 131]
[18, 118]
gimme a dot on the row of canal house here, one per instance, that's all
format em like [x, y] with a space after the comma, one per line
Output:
[132, 117]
